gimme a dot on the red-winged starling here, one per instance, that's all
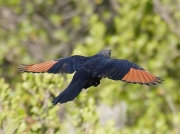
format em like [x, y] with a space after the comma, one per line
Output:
[90, 70]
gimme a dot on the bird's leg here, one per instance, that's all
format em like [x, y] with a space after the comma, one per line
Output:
[93, 81]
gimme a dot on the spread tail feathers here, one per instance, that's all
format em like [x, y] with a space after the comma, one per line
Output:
[69, 93]
[74, 88]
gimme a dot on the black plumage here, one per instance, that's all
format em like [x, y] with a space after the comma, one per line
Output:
[90, 70]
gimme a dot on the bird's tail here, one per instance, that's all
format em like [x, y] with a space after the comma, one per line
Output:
[74, 88]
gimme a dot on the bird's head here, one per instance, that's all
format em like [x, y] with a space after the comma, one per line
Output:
[106, 53]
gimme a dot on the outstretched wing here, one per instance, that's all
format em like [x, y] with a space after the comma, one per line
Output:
[125, 71]
[74, 88]
[62, 65]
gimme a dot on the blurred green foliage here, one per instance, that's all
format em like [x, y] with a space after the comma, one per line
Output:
[145, 32]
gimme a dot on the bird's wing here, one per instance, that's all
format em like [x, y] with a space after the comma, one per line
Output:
[74, 88]
[62, 65]
[125, 71]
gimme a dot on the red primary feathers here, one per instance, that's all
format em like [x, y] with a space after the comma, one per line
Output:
[141, 77]
[37, 68]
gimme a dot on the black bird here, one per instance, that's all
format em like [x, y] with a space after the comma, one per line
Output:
[90, 70]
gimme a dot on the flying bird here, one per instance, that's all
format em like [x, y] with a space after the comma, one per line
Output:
[90, 70]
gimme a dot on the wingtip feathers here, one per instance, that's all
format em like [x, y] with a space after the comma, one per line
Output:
[141, 77]
[36, 68]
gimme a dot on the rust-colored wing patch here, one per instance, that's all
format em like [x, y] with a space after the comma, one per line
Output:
[37, 68]
[141, 77]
